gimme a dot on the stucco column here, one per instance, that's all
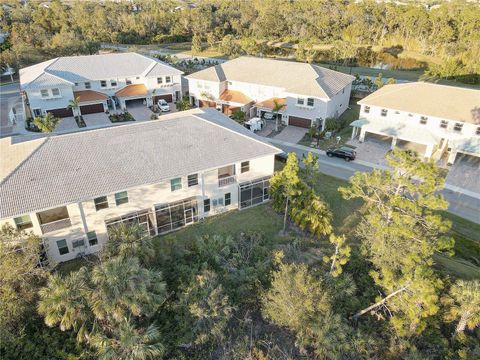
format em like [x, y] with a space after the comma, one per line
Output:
[362, 135]
[429, 151]
[394, 143]
[354, 132]
[451, 157]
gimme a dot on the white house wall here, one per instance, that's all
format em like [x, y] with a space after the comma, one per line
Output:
[36, 100]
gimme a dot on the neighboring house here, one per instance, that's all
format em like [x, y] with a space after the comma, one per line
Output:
[309, 92]
[101, 82]
[163, 174]
[441, 121]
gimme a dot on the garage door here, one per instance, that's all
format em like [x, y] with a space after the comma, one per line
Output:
[300, 122]
[61, 113]
[167, 98]
[91, 109]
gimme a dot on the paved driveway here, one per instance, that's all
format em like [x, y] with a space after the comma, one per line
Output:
[292, 134]
[139, 111]
[96, 120]
[465, 173]
[66, 124]
[371, 150]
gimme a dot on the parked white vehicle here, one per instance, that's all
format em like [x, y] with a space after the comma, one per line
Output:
[254, 124]
[268, 116]
[163, 105]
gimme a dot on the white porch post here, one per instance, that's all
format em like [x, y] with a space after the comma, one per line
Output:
[354, 132]
[451, 157]
[362, 135]
[429, 151]
[394, 143]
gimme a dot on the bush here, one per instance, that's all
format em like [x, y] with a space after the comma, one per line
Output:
[122, 117]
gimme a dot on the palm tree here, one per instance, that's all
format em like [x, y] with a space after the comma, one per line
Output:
[74, 104]
[128, 240]
[464, 304]
[276, 108]
[183, 104]
[129, 343]
[47, 124]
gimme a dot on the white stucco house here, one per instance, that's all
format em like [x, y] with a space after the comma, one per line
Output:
[442, 121]
[163, 174]
[100, 82]
[309, 93]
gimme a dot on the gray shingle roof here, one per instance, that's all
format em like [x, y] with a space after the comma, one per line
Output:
[294, 77]
[95, 67]
[81, 166]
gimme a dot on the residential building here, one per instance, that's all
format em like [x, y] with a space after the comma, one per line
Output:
[163, 174]
[309, 93]
[100, 82]
[439, 121]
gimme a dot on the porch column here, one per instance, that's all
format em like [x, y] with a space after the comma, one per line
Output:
[429, 151]
[362, 136]
[394, 143]
[354, 132]
[451, 157]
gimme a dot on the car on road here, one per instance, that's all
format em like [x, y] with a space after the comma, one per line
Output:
[343, 152]
[268, 116]
[163, 105]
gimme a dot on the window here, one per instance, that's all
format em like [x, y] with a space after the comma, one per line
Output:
[384, 112]
[92, 238]
[366, 109]
[300, 101]
[478, 131]
[101, 203]
[78, 243]
[206, 205]
[397, 112]
[245, 167]
[55, 92]
[44, 93]
[310, 102]
[159, 80]
[103, 83]
[62, 247]
[76, 84]
[423, 120]
[121, 198]
[253, 192]
[458, 127]
[128, 81]
[168, 79]
[228, 199]
[175, 215]
[87, 85]
[176, 184]
[23, 222]
[113, 83]
[444, 124]
[192, 180]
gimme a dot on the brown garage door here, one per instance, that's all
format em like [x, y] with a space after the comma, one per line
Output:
[61, 113]
[204, 103]
[91, 109]
[300, 122]
[167, 98]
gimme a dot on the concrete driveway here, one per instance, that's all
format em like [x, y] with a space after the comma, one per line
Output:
[465, 173]
[96, 120]
[291, 134]
[139, 111]
[372, 150]
[66, 124]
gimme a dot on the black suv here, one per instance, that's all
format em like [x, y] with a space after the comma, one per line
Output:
[343, 152]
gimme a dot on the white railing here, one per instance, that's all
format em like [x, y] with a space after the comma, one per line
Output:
[225, 181]
[55, 225]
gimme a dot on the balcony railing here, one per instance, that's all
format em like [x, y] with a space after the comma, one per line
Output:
[225, 181]
[55, 225]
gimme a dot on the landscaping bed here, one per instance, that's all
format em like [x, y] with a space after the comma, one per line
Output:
[80, 122]
[123, 117]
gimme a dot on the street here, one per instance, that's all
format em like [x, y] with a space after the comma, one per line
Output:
[462, 205]
[9, 95]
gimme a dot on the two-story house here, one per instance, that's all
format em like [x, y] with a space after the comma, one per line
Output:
[163, 174]
[309, 93]
[441, 121]
[100, 83]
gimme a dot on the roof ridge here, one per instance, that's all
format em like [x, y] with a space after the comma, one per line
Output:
[396, 86]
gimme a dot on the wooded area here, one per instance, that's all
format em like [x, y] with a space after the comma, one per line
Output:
[444, 39]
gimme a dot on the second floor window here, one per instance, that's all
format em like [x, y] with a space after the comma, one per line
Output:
[478, 131]
[44, 93]
[92, 238]
[423, 120]
[192, 180]
[168, 79]
[128, 81]
[87, 85]
[23, 222]
[245, 167]
[159, 80]
[310, 102]
[176, 184]
[444, 124]
[113, 83]
[458, 127]
[103, 83]
[300, 101]
[121, 198]
[101, 203]
[366, 109]
[55, 92]
[384, 112]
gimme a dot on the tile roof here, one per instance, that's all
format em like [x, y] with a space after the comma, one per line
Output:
[270, 103]
[95, 67]
[132, 90]
[445, 102]
[89, 95]
[80, 166]
[235, 96]
[294, 77]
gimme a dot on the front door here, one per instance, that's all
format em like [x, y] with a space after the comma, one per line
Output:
[177, 95]
[188, 216]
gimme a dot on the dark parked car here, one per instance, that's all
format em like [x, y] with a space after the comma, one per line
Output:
[343, 152]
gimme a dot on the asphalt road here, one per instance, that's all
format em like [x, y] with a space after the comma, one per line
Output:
[460, 204]
[9, 95]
